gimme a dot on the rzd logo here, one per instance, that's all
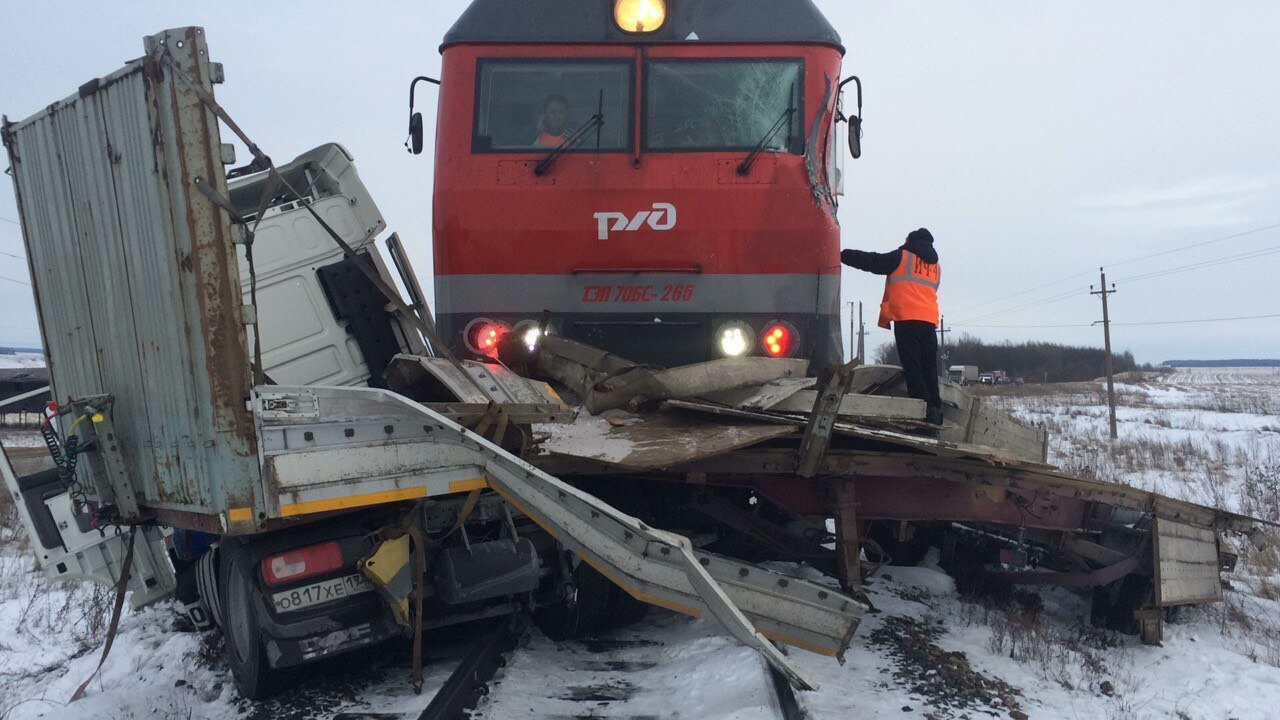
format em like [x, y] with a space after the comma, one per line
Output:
[661, 217]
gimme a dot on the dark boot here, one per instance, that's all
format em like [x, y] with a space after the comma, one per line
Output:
[933, 420]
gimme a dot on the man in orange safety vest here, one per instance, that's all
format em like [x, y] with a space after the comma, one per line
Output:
[911, 304]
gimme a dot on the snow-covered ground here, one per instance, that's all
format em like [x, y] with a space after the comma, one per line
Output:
[1208, 435]
[923, 653]
[21, 360]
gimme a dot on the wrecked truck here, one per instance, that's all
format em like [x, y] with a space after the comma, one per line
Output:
[252, 417]
[315, 510]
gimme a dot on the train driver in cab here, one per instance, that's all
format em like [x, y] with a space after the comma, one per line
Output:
[552, 125]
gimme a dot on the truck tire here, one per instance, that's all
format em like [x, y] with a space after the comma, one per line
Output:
[243, 643]
[588, 615]
[1113, 606]
[902, 553]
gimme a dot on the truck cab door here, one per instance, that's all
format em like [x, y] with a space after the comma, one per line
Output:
[65, 542]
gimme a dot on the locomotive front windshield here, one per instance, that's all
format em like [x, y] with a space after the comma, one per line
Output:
[724, 105]
[524, 105]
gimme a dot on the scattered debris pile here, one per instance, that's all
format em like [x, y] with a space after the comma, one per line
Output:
[944, 678]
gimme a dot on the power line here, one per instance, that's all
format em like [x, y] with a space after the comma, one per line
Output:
[20, 282]
[1024, 292]
[1201, 320]
[1075, 325]
[15, 222]
[1037, 303]
[15, 257]
[1198, 265]
[1132, 324]
[1205, 263]
[1196, 245]
[1043, 286]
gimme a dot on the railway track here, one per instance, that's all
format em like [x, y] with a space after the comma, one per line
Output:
[644, 674]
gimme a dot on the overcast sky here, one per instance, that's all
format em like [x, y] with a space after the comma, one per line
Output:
[1037, 141]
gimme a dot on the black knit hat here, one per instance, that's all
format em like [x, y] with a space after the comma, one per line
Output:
[921, 235]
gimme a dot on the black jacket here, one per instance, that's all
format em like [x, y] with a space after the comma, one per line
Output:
[886, 263]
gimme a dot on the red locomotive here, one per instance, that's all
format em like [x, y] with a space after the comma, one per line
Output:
[661, 177]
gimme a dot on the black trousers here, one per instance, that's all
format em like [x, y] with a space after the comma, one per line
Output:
[918, 350]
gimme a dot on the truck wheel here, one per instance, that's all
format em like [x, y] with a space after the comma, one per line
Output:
[589, 614]
[902, 553]
[242, 636]
[1114, 605]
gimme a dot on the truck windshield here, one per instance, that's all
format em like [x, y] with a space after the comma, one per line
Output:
[534, 105]
[723, 104]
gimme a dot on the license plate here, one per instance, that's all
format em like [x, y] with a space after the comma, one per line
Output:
[321, 592]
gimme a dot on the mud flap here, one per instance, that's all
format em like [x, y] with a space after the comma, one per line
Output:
[67, 548]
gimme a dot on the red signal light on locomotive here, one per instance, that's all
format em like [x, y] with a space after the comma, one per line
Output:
[483, 335]
[778, 339]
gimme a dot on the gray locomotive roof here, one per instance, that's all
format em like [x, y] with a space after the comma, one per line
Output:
[591, 21]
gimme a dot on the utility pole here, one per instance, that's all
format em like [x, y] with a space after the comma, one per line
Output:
[853, 332]
[942, 344]
[857, 331]
[862, 334]
[1103, 292]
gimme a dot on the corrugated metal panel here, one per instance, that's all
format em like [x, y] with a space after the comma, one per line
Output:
[1186, 563]
[135, 273]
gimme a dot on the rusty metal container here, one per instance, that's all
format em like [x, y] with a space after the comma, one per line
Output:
[135, 274]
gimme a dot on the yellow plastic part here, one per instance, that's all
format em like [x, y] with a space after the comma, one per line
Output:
[389, 568]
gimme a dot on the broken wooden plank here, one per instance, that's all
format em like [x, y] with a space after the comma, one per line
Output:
[973, 419]
[979, 423]
[1186, 563]
[933, 446]
[867, 380]
[826, 408]
[761, 397]
[875, 379]
[794, 420]
[735, 412]
[874, 407]
[656, 440]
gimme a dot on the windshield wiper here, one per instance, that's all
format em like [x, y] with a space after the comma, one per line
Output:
[744, 167]
[574, 140]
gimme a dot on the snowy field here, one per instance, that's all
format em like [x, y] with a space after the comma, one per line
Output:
[1225, 376]
[1208, 435]
[925, 652]
[21, 360]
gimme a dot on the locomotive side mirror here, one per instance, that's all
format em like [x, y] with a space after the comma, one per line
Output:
[415, 133]
[414, 143]
[855, 120]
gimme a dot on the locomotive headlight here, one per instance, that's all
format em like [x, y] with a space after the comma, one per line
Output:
[529, 333]
[735, 338]
[639, 16]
